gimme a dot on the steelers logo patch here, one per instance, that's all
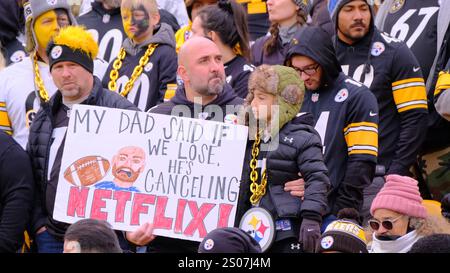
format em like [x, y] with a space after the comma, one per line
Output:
[148, 67]
[56, 52]
[18, 56]
[209, 244]
[341, 96]
[258, 222]
[327, 242]
[377, 49]
[396, 6]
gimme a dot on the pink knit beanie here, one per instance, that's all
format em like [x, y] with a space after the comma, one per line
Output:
[400, 194]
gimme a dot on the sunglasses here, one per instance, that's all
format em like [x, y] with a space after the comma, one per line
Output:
[387, 224]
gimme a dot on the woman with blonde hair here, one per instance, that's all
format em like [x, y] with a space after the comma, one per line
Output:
[399, 217]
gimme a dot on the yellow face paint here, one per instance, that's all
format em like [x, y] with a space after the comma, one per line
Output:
[45, 27]
[127, 19]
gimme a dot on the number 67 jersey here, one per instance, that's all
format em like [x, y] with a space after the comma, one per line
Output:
[415, 23]
[390, 70]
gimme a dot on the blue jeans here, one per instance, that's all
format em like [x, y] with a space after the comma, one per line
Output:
[46, 243]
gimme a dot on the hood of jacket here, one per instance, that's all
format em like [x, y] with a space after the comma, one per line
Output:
[315, 43]
[162, 35]
[365, 41]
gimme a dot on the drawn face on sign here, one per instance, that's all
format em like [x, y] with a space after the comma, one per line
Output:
[128, 164]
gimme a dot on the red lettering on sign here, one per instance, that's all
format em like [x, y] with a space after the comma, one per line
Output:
[140, 199]
[179, 217]
[98, 204]
[122, 198]
[224, 215]
[160, 220]
[198, 218]
[77, 201]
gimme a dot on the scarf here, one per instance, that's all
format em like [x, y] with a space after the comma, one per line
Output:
[401, 245]
[287, 33]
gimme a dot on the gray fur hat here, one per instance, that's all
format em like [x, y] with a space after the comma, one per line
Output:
[35, 8]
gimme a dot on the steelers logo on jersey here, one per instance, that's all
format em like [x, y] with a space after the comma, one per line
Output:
[341, 96]
[396, 6]
[148, 67]
[377, 49]
[18, 56]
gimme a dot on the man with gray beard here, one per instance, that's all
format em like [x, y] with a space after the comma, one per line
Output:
[204, 93]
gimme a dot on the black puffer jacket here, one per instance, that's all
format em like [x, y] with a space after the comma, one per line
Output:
[16, 193]
[40, 141]
[299, 150]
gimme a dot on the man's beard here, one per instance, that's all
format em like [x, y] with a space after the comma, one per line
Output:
[213, 88]
[124, 174]
[358, 35]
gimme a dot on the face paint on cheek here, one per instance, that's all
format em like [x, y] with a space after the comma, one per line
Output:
[45, 27]
[142, 23]
[126, 21]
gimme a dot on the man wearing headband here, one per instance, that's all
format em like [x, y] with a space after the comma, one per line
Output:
[71, 66]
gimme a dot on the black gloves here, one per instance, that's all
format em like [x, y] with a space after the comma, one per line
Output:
[309, 235]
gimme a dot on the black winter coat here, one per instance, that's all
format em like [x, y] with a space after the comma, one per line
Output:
[40, 141]
[299, 150]
[16, 193]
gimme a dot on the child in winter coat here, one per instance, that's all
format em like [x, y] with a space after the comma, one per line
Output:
[284, 145]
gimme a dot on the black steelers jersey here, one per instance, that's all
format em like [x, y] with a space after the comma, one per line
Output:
[237, 72]
[107, 29]
[390, 70]
[346, 116]
[158, 76]
[415, 23]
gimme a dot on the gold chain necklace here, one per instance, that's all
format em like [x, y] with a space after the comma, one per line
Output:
[114, 75]
[38, 80]
[258, 191]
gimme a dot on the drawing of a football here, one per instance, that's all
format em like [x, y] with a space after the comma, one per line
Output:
[87, 170]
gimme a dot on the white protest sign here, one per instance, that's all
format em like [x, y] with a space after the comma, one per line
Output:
[130, 167]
